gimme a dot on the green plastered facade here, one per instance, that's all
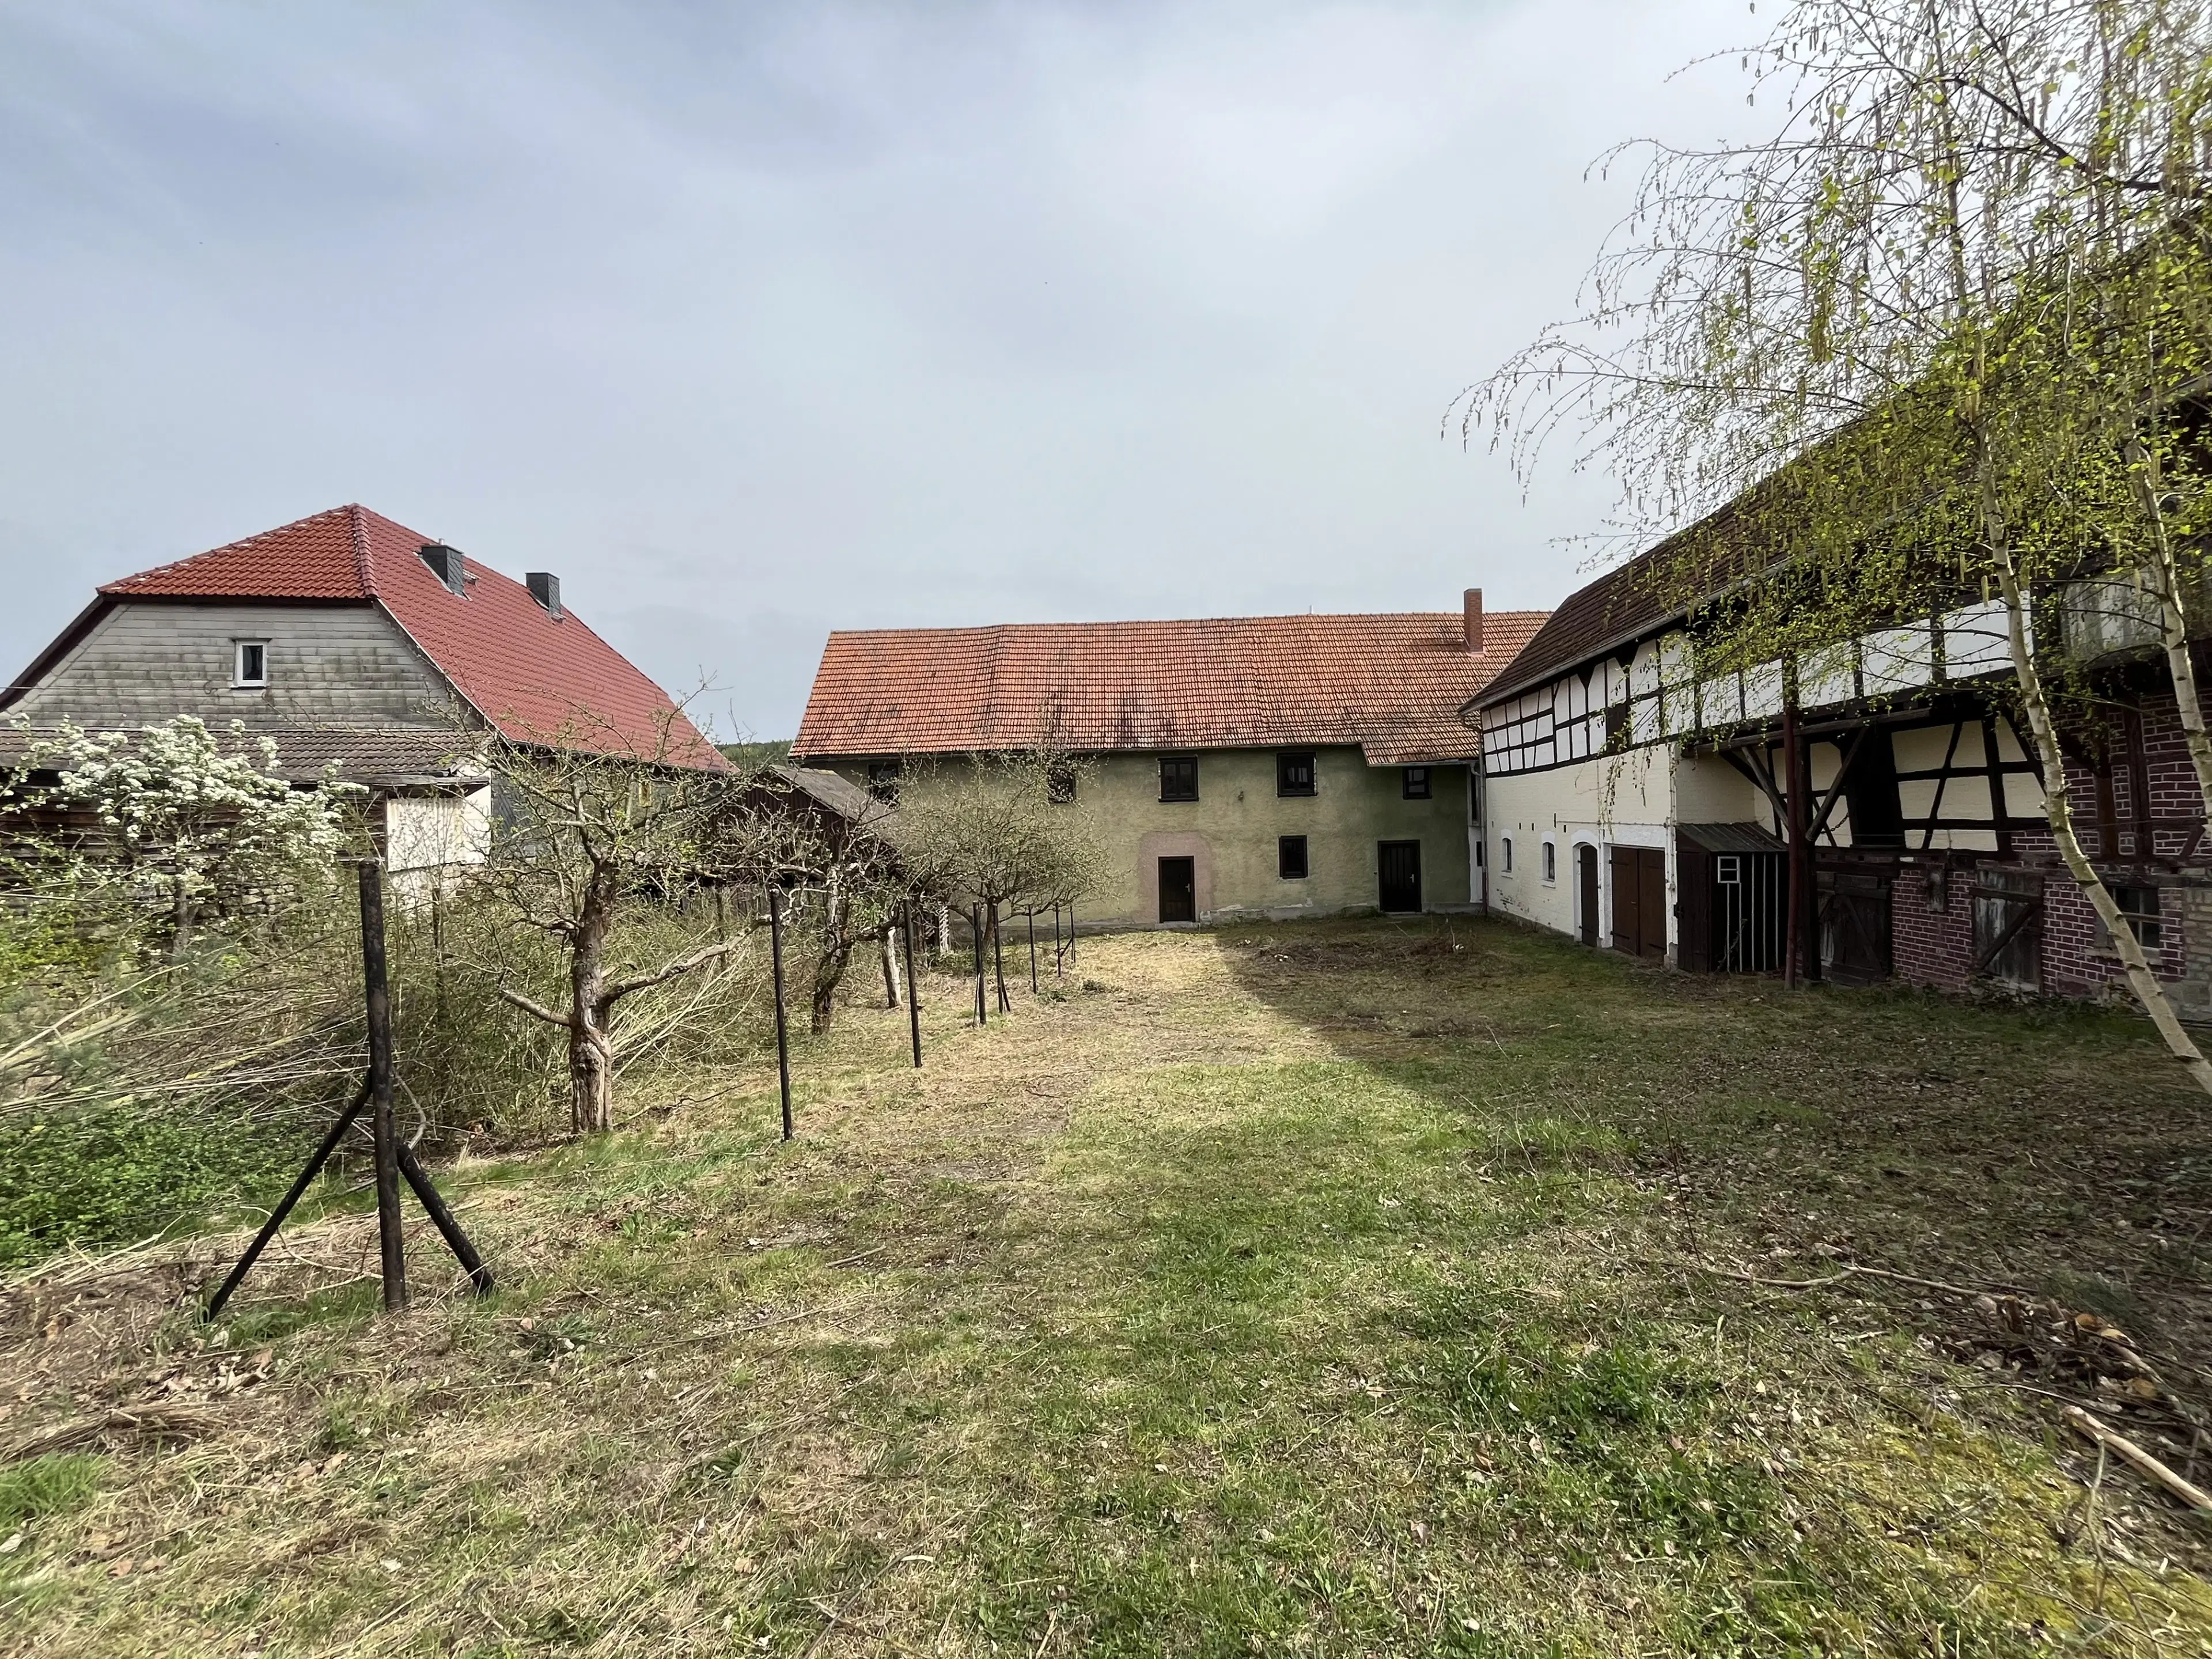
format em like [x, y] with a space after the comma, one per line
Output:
[1232, 832]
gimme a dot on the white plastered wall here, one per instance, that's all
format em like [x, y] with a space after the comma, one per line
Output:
[1611, 801]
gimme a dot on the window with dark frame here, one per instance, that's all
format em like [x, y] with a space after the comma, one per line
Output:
[883, 779]
[1060, 784]
[1294, 771]
[2139, 906]
[1415, 786]
[1290, 858]
[1178, 777]
[1616, 727]
[250, 665]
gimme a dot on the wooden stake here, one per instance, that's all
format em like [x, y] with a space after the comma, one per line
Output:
[999, 961]
[975, 938]
[782, 1034]
[392, 1243]
[913, 986]
[1033, 976]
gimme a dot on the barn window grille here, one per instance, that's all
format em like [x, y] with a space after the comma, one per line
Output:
[2139, 906]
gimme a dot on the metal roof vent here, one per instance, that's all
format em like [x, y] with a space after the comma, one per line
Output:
[545, 588]
[445, 565]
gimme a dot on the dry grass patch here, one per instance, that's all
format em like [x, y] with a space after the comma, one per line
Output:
[1306, 1290]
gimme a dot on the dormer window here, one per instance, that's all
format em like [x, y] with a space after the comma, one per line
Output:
[249, 668]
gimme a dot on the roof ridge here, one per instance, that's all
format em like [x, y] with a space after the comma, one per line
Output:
[360, 532]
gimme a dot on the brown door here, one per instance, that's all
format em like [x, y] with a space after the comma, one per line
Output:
[1586, 884]
[1398, 865]
[1178, 890]
[1639, 900]
[1651, 902]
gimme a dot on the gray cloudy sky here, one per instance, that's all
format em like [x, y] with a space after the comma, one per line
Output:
[753, 320]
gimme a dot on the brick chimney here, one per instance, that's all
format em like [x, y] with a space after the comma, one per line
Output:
[1474, 621]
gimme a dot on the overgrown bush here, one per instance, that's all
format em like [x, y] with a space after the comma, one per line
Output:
[133, 1096]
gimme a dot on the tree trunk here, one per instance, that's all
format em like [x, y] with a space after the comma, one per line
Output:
[884, 937]
[2173, 625]
[591, 1049]
[591, 1079]
[2058, 810]
[829, 966]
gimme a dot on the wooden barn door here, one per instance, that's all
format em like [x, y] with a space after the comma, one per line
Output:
[1855, 941]
[1639, 900]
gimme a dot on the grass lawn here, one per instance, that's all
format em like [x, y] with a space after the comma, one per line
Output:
[1324, 1289]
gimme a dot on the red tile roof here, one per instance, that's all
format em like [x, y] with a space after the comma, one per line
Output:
[1392, 683]
[535, 677]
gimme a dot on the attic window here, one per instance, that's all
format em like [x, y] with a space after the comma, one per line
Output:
[883, 779]
[249, 665]
[1294, 771]
[1178, 777]
[1060, 783]
[1417, 783]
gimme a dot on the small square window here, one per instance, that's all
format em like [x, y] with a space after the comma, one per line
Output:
[1178, 777]
[1290, 857]
[1417, 783]
[251, 665]
[2139, 906]
[1551, 862]
[883, 779]
[1294, 772]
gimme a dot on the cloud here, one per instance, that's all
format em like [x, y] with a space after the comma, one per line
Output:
[754, 320]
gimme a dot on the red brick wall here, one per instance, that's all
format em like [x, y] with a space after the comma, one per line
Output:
[1936, 948]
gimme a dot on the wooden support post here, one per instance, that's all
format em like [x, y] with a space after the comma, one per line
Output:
[442, 1219]
[913, 986]
[394, 1159]
[1793, 943]
[1071, 930]
[1033, 974]
[1059, 957]
[782, 1032]
[999, 961]
[1800, 798]
[285, 1205]
[390, 1241]
[975, 940]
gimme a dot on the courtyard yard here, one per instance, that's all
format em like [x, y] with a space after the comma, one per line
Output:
[1319, 1289]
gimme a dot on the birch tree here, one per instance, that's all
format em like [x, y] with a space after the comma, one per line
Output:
[1943, 331]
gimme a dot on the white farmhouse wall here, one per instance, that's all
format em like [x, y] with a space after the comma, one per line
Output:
[1621, 800]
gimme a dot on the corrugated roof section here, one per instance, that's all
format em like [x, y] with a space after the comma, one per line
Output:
[1393, 683]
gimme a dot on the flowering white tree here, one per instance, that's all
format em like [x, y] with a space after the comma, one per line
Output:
[175, 818]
